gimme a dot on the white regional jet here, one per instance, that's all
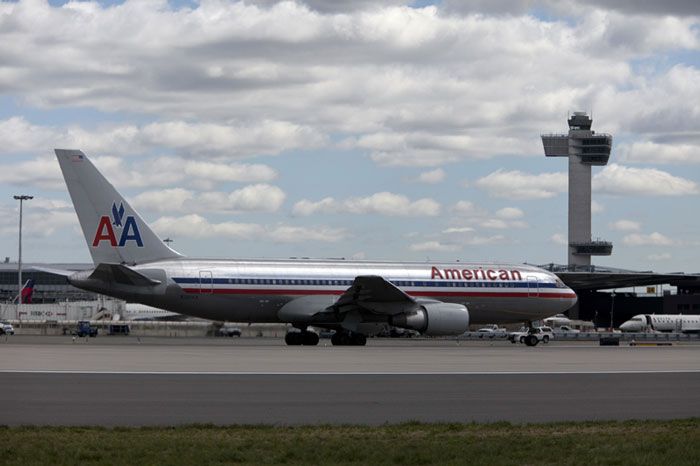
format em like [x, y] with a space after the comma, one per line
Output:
[663, 323]
[355, 298]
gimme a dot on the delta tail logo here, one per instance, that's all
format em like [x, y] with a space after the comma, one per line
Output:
[125, 227]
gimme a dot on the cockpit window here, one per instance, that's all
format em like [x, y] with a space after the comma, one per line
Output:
[559, 283]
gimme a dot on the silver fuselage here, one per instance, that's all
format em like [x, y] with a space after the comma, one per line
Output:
[255, 290]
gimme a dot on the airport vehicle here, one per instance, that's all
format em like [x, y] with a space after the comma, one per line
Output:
[84, 329]
[117, 329]
[6, 329]
[355, 298]
[662, 323]
[532, 336]
[228, 331]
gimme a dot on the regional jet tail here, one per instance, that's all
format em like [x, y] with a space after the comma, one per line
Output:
[354, 298]
[26, 293]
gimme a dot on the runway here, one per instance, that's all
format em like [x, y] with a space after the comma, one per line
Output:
[172, 381]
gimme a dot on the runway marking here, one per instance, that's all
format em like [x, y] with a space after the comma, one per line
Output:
[286, 373]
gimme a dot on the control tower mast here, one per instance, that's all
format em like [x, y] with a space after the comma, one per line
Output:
[584, 148]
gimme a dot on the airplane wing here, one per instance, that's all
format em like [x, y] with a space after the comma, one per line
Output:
[368, 294]
[368, 291]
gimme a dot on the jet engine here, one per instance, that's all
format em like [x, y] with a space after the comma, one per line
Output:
[435, 319]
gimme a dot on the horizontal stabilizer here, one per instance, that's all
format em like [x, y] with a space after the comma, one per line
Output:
[122, 274]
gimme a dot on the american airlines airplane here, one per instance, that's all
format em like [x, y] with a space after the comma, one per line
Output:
[355, 298]
[663, 323]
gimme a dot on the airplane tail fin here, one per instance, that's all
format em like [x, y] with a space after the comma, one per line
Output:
[26, 293]
[114, 232]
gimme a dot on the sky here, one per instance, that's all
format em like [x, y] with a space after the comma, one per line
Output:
[388, 130]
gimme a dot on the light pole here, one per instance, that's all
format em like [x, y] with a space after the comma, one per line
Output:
[21, 198]
[612, 310]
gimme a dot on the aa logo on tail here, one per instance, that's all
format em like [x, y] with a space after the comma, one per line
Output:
[106, 228]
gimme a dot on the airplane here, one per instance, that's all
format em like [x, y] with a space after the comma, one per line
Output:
[355, 298]
[662, 323]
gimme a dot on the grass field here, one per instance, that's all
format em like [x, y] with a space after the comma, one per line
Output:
[633, 442]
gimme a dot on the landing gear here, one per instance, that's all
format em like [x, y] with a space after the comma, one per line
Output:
[304, 337]
[344, 338]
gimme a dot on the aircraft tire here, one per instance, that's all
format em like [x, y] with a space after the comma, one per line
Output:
[337, 339]
[343, 339]
[358, 339]
[293, 338]
[310, 339]
[531, 340]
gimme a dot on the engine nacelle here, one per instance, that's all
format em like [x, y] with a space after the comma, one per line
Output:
[435, 319]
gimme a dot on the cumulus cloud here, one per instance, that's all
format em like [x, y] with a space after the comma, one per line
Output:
[597, 207]
[625, 225]
[659, 257]
[659, 153]
[431, 176]
[505, 218]
[383, 203]
[196, 226]
[213, 74]
[510, 213]
[296, 234]
[253, 198]
[517, 185]
[560, 239]
[44, 173]
[42, 217]
[260, 137]
[620, 180]
[433, 246]
[653, 239]
[457, 230]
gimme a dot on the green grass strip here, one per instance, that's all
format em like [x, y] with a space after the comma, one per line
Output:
[582, 443]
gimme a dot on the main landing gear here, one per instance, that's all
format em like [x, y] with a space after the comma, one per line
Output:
[345, 338]
[304, 337]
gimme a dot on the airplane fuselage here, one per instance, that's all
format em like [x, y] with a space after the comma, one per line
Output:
[663, 323]
[256, 290]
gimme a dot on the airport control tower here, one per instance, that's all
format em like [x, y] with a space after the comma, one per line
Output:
[584, 148]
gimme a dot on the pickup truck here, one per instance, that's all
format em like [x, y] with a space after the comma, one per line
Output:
[84, 329]
[538, 334]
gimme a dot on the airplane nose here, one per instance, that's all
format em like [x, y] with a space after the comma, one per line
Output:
[626, 327]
